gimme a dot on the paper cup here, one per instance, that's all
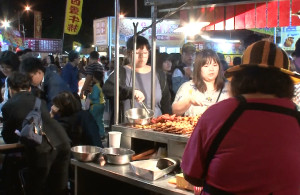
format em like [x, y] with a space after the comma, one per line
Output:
[114, 139]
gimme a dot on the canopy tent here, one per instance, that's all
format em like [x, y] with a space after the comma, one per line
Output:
[233, 14]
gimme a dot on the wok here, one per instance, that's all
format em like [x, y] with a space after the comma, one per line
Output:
[139, 116]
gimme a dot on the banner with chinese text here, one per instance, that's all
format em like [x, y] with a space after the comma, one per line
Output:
[37, 24]
[73, 17]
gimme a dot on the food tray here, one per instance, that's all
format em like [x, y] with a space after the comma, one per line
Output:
[153, 169]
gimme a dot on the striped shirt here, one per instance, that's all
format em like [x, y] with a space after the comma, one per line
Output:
[91, 68]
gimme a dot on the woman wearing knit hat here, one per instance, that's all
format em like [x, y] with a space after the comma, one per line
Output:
[249, 144]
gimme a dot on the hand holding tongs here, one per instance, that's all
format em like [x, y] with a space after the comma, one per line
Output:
[145, 107]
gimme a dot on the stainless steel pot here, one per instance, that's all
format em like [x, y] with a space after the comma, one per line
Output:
[85, 153]
[139, 116]
[118, 156]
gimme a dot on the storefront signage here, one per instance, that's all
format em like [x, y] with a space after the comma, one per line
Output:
[101, 31]
[44, 45]
[165, 35]
[289, 36]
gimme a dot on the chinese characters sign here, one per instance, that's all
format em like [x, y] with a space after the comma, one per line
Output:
[44, 45]
[37, 24]
[100, 31]
[73, 16]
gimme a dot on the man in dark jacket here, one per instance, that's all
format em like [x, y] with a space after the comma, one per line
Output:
[48, 162]
[47, 84]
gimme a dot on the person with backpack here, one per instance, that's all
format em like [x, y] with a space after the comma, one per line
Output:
[142, 91]
[47, 162]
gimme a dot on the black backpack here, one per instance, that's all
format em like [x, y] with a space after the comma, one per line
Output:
[32, 127]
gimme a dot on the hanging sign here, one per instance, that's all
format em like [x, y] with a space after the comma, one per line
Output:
[73, 17]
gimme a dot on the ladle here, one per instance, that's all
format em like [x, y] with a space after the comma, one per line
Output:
[145, 107]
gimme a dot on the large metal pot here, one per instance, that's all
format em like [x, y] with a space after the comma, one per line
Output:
[118, 156]
[85, 153]
[139, 116]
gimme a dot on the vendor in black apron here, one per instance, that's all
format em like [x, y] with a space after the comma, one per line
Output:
[250, 143]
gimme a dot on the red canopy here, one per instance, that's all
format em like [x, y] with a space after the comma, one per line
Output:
[246, 16]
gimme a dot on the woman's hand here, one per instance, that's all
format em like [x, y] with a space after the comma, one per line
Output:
[139, 96]
[195, 101]
[54, 110]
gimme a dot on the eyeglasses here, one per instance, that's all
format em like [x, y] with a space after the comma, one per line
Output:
[142, 53]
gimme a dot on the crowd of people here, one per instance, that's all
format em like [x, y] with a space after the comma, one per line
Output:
[64, 125]
[259, 87]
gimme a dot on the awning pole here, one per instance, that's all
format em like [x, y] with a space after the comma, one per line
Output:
[153, 56]
[133, 62]
[116, 86]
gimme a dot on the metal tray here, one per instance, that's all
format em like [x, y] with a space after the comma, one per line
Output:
[153, 169]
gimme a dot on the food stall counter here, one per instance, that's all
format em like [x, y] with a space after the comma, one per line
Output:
[175, 142]
[91, 178]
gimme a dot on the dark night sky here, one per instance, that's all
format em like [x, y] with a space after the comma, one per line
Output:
[53, 12]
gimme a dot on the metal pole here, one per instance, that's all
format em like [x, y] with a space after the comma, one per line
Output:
[63, 34]
[23, 35]
[116, 86]
[153, 55]
[109, 19]
[135, 7]
[133, 62]
[19, 22]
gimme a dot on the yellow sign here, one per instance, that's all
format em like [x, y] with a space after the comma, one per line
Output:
[73, 17]
[76, 44]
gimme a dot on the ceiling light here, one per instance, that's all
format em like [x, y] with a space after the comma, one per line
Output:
[191, 28]
[219, 40]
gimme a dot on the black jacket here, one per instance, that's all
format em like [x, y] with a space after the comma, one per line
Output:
[14, 112]
[82, 128]
[126, 92]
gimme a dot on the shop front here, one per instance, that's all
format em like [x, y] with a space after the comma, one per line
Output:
[167, 40]
[222, 17]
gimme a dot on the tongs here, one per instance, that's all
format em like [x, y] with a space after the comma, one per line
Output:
[145, 107]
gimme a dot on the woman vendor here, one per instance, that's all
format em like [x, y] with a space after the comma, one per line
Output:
[206, 88]
[142, 90]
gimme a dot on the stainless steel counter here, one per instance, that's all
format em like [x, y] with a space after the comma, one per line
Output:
[87, 180]
[175, 143]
